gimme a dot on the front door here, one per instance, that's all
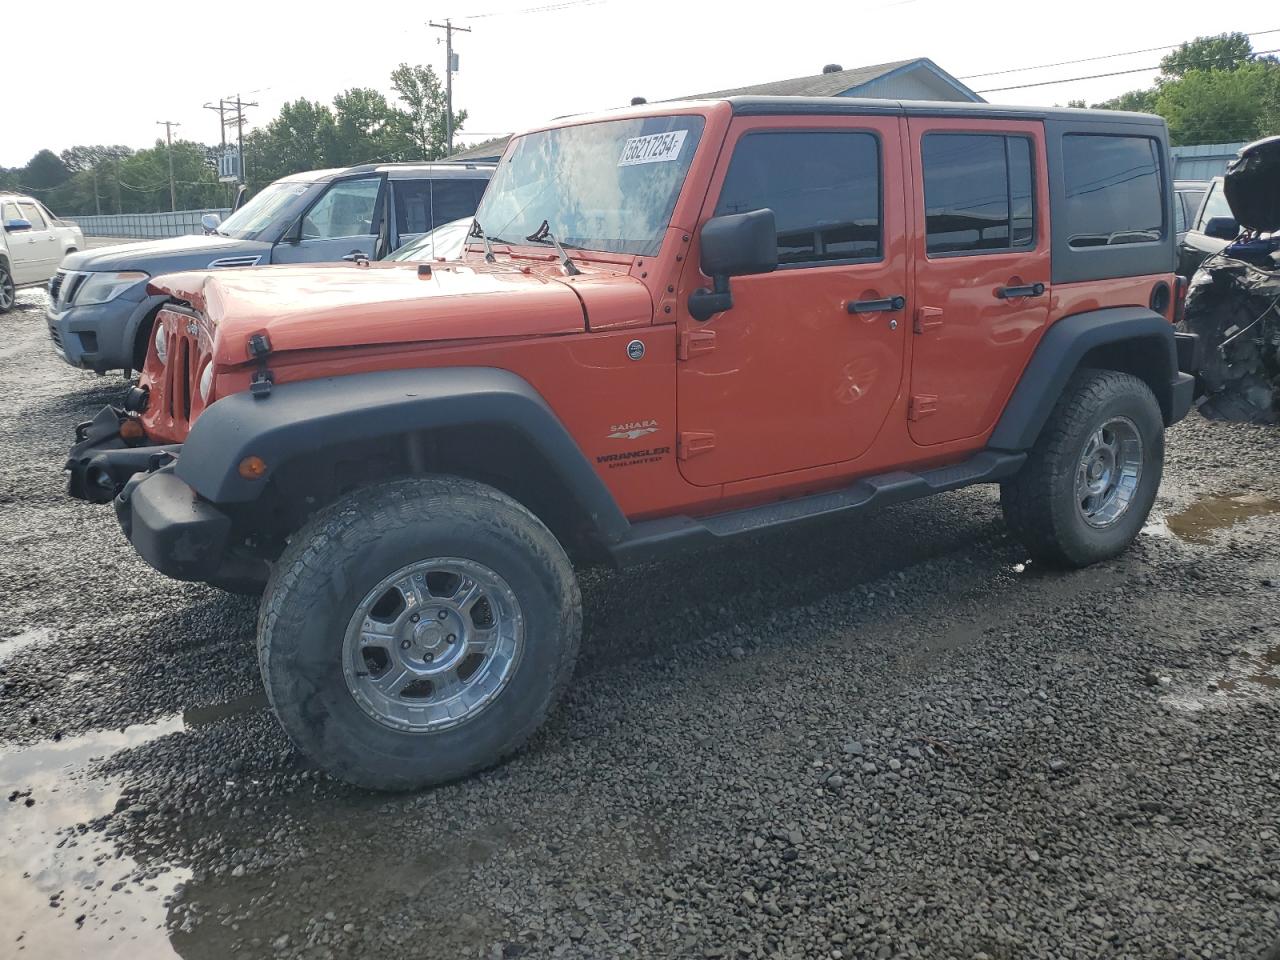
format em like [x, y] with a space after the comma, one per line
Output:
[345, 219]
[982, 270]
[803, 369]
[24, 251]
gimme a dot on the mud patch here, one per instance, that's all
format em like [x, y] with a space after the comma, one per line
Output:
[1200, 521]
[11, 645]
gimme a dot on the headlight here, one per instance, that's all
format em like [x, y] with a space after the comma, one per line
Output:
[162, 345]
[101, 287]
[206, 382]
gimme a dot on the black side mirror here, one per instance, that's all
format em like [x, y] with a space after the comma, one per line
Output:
[1221, 228]
[733, 246]
[16, 224]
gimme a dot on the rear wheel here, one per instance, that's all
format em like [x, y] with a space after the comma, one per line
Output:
[8, 292]
[418, 631]
[1092, 476]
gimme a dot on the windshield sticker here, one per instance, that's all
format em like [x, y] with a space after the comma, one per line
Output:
[655, 148]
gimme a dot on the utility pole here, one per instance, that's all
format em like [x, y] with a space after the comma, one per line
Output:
[450, 66]
[239, 122]
[168, 139]
[97, 200]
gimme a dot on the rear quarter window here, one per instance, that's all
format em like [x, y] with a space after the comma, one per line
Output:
[1114, 193]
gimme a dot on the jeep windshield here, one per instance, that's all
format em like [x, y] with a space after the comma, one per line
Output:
[263, 210]
[608, 186]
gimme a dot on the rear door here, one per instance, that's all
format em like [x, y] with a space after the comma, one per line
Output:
[982, 269]
[44, 241]
[803, 369]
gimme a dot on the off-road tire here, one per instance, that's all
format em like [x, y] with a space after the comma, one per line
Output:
[1039, 502]
[8, 289]
[340, 555]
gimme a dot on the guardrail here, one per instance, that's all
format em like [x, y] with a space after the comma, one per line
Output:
[147, 226]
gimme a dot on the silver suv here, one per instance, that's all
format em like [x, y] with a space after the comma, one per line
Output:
[100, 309]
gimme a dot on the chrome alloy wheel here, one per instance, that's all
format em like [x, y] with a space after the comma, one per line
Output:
[8, 295]
[1109, 471]
[433, 644]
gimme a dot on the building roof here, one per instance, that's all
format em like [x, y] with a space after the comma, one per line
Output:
[487, 150]
[840, 82]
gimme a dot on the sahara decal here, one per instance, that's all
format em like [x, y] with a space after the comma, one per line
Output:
[632, 429]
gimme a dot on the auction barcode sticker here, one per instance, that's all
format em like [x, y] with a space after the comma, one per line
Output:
[655, 148]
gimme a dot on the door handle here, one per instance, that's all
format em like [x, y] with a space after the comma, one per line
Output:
[883, 305]
[1026, 290]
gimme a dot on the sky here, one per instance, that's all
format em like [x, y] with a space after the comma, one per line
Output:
[106, 73]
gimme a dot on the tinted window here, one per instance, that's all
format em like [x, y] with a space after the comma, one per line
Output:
[1114, 194]
[29, 212]
[1179, 214]
[345, 210]
[413, 205]
[1216, 206]
[823, 189]
[978, 192]
[452, 200]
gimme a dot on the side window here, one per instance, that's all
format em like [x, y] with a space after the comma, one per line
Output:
[48, 216]
[978, 192]
[29, 212]
[1216, 206]
[1114, 191]
[823, 189]
[452, 200]
[413, 206]
[11, 212]
[345, 210]
[1179, 213]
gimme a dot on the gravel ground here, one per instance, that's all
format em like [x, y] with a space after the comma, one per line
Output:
[807, 749]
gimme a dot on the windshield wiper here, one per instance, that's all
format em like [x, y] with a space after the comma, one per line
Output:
[478, 231]
[544, 235]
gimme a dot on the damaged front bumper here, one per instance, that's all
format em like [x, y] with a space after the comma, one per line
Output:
[169, 524]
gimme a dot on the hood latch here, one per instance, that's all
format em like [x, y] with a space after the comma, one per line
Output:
[259, 347]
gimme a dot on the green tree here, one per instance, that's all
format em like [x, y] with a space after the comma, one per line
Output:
[419, 88]
[369, 128]
[1139, 101]
[1221, 106]
[44, 171]
[304, 136]
[86, 157]
[1227, 51]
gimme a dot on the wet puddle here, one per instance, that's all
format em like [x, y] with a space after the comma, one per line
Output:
[67, 890]
[1265, 674]
[1251, 676]
[1198, 522]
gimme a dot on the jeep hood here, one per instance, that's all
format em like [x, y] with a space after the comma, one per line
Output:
[347, 305]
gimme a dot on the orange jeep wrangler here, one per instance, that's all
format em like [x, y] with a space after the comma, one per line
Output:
[674, 325]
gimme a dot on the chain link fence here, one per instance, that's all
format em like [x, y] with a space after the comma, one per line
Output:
[147, 226]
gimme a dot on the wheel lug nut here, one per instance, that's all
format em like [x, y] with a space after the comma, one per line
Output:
[404, 644]
[416, 617]
[443, 614]
[452, 638]
[427, 657]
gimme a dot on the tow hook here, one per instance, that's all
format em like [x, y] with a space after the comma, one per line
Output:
[135, 401]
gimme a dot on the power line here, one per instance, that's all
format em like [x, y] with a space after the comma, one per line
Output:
[1113, 73]
[1105, 56]
[542, 8]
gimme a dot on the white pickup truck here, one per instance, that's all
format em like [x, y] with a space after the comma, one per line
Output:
[32, 244]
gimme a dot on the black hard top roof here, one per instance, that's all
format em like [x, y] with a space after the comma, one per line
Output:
[855, 106]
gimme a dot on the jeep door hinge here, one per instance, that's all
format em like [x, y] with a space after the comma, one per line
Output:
[690, 443]
[922, 404]
[927, 318]
[694, 342]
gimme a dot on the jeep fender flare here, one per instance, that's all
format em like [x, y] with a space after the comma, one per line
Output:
[298, 419]
[1134, 339]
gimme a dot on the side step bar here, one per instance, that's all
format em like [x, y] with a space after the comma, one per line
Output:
[653, 539]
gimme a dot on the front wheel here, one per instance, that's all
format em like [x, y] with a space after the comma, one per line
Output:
[1092, 476]
[418, 631]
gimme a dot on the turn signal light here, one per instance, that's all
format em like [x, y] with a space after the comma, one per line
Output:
[131, 430]
[253, 468]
